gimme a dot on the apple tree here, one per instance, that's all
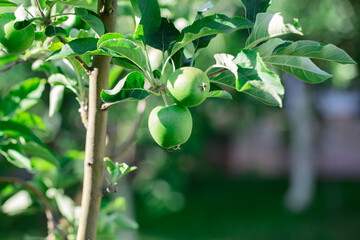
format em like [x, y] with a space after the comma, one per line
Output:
[79, 58]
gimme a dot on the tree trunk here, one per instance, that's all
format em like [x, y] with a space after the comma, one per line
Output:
[96, 133]
[302, 172]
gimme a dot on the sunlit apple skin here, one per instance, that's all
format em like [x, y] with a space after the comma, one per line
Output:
[170, 126]
[15, 41]
[188, 86]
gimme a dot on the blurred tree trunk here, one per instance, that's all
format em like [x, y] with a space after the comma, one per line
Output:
[302, 174]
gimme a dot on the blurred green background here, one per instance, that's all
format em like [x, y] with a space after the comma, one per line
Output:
[249, 171]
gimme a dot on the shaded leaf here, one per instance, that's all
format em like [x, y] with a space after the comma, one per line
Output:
[30, 120]
[14, 129]
[150, 16]
[166, 34]
[22, 96]
[129, 88]
[312, 49]
[269, 25]
[220, 94]
[41, 151]
[301, 67]
[17, 158]
[54, 31]
[125, 63]
[75, 48]
[92, 19]
[5, 3]
[209, 25]
[253, 7]
[18, 25]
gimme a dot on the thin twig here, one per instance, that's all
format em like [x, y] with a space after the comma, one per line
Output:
[10, 65]
[47, 21]
[51, 224]
[41, 11]
[217, 72]
[14, 63]
[134, 129]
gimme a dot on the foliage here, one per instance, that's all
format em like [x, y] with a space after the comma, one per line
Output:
[62, 54]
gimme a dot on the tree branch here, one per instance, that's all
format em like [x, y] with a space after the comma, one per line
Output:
[47, 21]
[217, 72]
[51, 223]
[14, 63]
[118, 155]
[96, 133]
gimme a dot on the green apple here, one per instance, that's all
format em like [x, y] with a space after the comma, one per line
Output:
[188, 86]
[170, 126]
[15, 41]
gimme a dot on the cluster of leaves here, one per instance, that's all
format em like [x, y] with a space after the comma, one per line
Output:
[250, 69]
[59, 49]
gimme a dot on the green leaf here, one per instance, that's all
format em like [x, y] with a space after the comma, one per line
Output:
[54, 31]
[18, 25]
[22, 96]
[256, 80]
[125, 63]
[76, 3]
[267, 48]
[56, 99]
[217, 92]
[312, 49]
[109, 165]
[166, 34]
[76, 47]
[16, 158]
[40, 151]
[129, 88]
[17, 203]
[30, 120]
[301, 67]
[251, 76]
[226, 78]
[92, 19]
[220, 94]
[5, 3]
[150, 16]
[16, 130]
[109, 36]
[209, 25]
[59, 79]
[125, 48]
[269, 25]
[117, 170]
[253, 7]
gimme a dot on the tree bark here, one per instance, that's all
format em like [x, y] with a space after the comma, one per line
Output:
[96, 133]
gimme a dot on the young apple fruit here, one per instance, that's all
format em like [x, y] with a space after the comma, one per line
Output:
[15, 41]
[170, 126]
[188, 86]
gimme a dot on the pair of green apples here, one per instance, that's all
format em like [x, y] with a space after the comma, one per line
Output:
[15, 41]
[171, 126]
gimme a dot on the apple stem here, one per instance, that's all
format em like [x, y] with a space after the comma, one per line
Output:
[164, 98]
